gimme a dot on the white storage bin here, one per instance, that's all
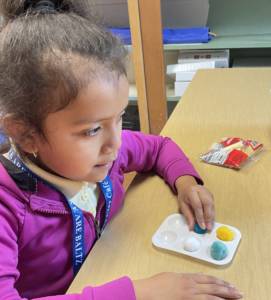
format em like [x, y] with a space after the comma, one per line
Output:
[175, 13]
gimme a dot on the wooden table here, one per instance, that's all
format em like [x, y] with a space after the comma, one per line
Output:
[219, 103]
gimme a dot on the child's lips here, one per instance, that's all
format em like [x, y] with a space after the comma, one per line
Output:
[107, 165]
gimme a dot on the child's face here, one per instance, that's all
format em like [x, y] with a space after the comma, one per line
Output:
[83, 139]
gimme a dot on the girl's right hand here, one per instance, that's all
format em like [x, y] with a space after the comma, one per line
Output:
[177, 286]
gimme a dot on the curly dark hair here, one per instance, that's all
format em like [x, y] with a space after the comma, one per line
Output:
[49, 50]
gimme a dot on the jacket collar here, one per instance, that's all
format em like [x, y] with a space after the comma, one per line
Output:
[21, 178]
[39, 197]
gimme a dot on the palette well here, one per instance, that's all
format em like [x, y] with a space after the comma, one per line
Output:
[216, 247]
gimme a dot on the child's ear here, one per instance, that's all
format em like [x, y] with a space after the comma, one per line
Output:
[21, 134]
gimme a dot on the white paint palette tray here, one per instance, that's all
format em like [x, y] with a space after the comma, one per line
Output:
[174, 233]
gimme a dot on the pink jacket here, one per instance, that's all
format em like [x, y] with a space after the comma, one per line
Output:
[36, 225]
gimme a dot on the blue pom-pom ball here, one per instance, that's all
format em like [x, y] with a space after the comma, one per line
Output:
[219, 250]
[198, 229]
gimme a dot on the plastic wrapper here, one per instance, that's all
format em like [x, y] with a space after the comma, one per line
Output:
[232, 152]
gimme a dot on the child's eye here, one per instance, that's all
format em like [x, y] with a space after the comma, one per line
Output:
[92, 132]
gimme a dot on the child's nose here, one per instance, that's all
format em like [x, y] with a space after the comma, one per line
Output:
[112, 142]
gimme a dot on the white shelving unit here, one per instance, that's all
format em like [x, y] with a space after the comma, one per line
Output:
[243, 27]
[237, 27]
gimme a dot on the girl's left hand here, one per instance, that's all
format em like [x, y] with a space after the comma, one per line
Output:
[195, 202]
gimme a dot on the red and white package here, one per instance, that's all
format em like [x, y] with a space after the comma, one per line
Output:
[232, 152]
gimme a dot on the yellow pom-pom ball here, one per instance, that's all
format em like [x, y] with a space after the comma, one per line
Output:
[224, 233]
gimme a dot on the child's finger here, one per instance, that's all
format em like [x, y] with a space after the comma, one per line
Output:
[196, 204]
[209, 216]
[188, 214]
[203, 278]
[224, 291]
[208, 210]
[215, 286]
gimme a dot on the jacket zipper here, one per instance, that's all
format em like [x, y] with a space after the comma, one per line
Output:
[48, 211]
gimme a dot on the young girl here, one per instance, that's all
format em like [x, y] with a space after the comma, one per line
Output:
[63, 92]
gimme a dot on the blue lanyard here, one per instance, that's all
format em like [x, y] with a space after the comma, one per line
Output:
[78, 224]
[78, 243]
[107, 190]
[78, 247]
